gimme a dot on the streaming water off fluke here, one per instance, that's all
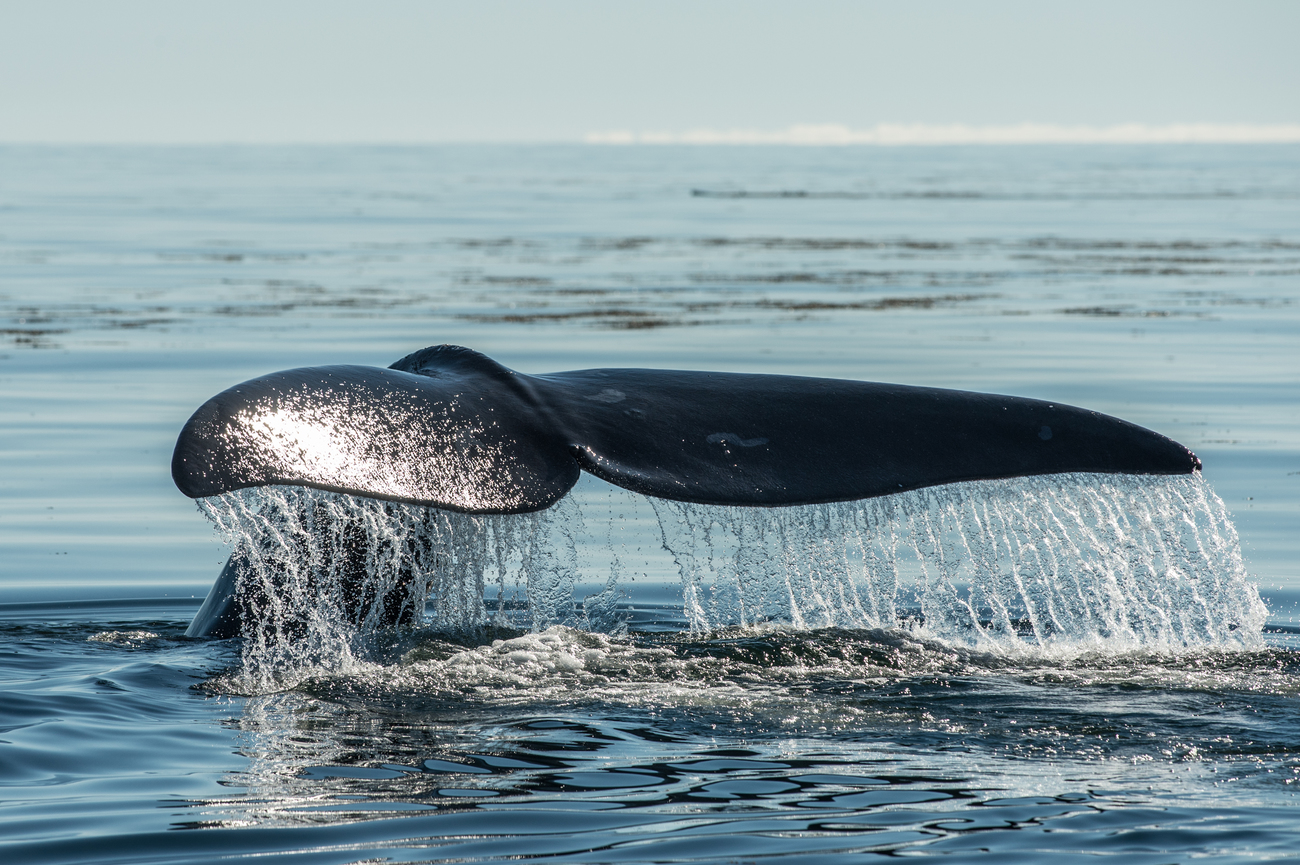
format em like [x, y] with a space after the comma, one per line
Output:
[1030, 568]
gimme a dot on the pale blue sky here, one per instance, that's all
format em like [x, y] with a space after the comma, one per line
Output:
[388, 70]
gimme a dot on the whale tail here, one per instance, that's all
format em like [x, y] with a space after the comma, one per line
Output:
[450, 428]
[453, 429]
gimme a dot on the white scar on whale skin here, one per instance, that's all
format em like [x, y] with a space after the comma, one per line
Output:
[608, 395]
[727, 438]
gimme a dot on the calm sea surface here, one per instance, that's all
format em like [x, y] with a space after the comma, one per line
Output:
[1158, 284]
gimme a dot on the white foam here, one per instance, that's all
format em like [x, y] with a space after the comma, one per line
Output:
[126, 638]
[896, 134]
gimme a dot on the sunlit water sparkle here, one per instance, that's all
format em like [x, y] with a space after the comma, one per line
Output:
[1051, 566]
[646, 687]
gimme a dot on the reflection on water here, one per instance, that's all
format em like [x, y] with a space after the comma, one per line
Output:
[772, 744]
[691, 748]
[1103, 674]
[1110, 638]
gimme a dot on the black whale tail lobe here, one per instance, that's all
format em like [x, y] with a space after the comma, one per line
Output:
[453, 429]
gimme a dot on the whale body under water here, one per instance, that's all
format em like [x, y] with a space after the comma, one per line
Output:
[450, 428]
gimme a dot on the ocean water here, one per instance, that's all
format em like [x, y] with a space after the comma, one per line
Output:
[1071, 667]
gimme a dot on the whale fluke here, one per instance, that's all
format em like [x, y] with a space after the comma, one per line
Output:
[451, 428]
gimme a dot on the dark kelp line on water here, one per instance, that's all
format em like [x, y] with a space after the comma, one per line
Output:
[653, 281]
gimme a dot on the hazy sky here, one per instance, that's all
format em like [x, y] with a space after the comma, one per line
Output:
[392, 70]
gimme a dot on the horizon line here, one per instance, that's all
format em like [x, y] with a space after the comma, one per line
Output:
[913, 134]
[799, 135]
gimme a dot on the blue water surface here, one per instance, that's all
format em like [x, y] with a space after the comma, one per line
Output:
[1154, 283]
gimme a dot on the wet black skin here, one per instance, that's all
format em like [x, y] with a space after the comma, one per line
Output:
[704, 437]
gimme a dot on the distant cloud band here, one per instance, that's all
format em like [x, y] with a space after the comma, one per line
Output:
[959, 133]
